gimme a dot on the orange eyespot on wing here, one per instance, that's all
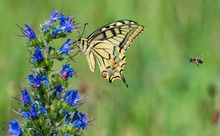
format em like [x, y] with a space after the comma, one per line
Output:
[104, 74]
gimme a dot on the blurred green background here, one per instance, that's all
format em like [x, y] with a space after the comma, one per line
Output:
[167, 95]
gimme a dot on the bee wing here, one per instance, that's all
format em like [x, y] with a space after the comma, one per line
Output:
[202, 56]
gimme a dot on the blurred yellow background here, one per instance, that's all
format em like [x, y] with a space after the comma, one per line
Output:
[167, 95]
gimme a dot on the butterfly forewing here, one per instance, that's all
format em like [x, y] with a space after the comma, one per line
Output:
[107, 46]
[123, 32]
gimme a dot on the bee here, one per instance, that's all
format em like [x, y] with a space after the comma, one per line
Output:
[196, 60]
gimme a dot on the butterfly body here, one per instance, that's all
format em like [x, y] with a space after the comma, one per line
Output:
[107, 46]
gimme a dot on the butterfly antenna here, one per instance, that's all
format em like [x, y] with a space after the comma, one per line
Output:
[84, 27]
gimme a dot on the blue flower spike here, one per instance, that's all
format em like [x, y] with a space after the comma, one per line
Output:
[49, 106]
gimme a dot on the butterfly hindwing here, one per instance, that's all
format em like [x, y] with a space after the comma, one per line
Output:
[110, 60]
[107, 46]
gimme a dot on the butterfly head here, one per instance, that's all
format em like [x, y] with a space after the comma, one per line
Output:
[82, 42]
[78, 39]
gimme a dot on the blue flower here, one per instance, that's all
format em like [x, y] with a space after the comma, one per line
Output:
[28, 32]
[58, 90]
[42, 109]
[75, 116]
[33, 111]
[71, 97]
[31, 114]
[67, 26]
[68, 116]
[79, 120]
[45, 80]
[67, 71]
[66, 47]
[67, 134]
[37, 56]
[35, 82]
[55, 31]
[14, 128]
[26, 115]
[54, 15]
[45, 27]
[25, 97]
[62, 19]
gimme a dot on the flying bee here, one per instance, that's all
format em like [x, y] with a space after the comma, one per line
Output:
[196, 60]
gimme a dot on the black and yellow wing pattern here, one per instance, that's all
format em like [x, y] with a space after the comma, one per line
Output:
[108, 45]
